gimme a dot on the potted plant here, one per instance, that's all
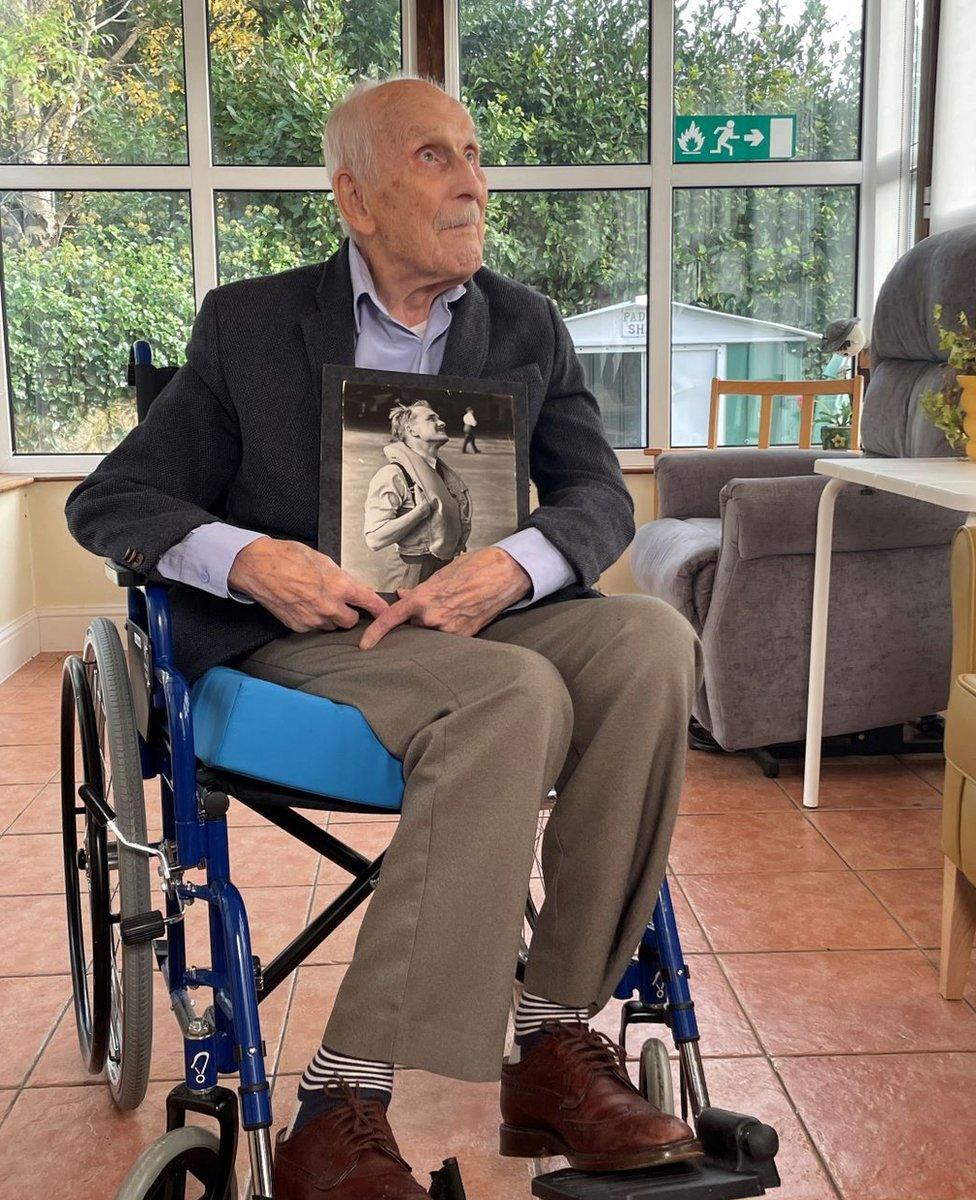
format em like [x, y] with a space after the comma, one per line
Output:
[953, 407]
[835, 433]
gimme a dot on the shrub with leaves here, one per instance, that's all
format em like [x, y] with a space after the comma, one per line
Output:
[942, 407]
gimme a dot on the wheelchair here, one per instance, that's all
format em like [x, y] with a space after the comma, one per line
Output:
[128, 715]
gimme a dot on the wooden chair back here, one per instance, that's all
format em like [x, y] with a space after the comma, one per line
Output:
[807, 389]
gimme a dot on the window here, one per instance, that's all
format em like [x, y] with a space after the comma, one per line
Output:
[86, 273]
[150, 150]
[276, 68]
[557, 82]
[96, 82]
[259, 233]
[759, 273]
[799, 57]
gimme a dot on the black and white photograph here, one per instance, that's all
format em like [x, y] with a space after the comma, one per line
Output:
[431, 468]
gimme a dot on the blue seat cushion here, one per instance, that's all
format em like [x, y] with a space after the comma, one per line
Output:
[280, 735]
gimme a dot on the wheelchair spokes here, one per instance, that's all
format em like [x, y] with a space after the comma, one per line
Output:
[113, 996]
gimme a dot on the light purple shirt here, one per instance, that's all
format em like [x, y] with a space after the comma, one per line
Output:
[205, 556]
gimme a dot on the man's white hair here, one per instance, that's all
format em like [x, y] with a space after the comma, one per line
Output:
[348, 142]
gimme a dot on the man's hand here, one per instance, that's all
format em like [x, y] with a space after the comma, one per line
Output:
[304, 589]
[459, 598]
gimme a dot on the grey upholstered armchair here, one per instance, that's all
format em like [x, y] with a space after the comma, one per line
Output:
[733, 546]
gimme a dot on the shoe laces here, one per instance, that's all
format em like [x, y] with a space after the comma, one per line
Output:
[595, 1050]
[362, 1122]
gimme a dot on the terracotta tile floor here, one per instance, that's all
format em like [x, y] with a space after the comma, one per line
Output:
[812, 941]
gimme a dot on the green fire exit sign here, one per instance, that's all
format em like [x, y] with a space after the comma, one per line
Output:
[736, 138]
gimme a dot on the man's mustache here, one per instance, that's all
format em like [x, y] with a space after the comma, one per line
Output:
[468, 216]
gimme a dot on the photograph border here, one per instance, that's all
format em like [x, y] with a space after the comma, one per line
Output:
[334, 375]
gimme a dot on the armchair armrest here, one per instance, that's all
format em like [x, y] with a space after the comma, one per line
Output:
[689, 481]
[675, 561]
[767, 517]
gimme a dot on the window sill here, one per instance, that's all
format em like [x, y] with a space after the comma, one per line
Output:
[10, 483]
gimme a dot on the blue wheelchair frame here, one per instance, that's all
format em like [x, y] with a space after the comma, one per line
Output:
[227, 1038]
[196, 827]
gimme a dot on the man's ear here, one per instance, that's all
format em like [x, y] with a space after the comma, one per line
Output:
[352, 204]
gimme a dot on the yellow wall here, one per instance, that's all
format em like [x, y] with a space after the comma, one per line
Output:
[43, 567]
[64, 573]
[16, 572]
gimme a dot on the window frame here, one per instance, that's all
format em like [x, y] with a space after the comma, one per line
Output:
[430, 45]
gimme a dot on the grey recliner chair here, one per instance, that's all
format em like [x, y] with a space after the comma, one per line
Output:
[733, 546]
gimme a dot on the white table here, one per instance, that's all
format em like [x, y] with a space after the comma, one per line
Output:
[949, 482]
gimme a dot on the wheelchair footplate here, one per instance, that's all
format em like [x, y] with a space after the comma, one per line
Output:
[738, 1162]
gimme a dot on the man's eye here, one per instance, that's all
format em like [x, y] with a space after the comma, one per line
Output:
[428, 154]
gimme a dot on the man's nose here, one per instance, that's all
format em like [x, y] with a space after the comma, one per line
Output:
[471, 180]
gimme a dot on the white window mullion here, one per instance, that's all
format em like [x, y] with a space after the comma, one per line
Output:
[659, 232]
[864, 299]
[766, 174]
[408, 35]
[452, 48]
[201, 155]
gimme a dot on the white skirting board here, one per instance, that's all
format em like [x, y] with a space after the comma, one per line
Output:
[56, 627]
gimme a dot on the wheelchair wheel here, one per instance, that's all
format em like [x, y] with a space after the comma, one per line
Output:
[177, 1167]
[654, 1077]
[112, 982]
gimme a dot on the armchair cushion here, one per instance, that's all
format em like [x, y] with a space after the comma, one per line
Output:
[768, 517]
[675, 561]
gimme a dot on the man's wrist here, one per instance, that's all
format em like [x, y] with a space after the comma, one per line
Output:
[520, 576]
[237, 576]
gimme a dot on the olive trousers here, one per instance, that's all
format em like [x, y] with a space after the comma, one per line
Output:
[590, 696]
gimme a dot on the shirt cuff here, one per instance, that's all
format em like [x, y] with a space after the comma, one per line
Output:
[547, 567]
[203, 559]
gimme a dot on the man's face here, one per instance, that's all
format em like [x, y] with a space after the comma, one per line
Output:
[427, 428]
[426, 203]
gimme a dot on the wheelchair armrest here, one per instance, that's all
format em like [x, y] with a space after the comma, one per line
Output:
[121, 575]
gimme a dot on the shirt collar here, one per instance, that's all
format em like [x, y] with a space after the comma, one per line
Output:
[362, 285]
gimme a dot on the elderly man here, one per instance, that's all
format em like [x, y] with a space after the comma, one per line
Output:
[502, 675]
[416, 501]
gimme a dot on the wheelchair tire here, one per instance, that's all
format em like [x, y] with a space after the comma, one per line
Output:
[186, 1154]
[654, 1077]
[118, 1034]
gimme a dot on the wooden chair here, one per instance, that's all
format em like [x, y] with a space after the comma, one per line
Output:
[807, 389]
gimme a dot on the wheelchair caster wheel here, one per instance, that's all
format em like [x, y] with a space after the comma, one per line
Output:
[654, 1079]
[178, 1165]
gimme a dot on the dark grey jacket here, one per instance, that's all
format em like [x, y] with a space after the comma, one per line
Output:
[235, 437]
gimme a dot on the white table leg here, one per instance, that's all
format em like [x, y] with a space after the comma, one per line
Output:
[818, 643]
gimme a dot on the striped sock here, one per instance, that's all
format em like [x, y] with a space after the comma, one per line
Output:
[529, 1015]
[372, 1080]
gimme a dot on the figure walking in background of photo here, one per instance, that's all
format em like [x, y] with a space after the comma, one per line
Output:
[416, 501]
[470, 421]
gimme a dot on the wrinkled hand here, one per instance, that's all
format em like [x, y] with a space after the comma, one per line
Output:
[304, 589]
[459, 598]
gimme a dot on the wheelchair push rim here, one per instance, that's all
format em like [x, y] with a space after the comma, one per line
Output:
[112, 997]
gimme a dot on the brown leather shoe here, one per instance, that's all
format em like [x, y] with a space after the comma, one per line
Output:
[571, 1095]
[348, 1153]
